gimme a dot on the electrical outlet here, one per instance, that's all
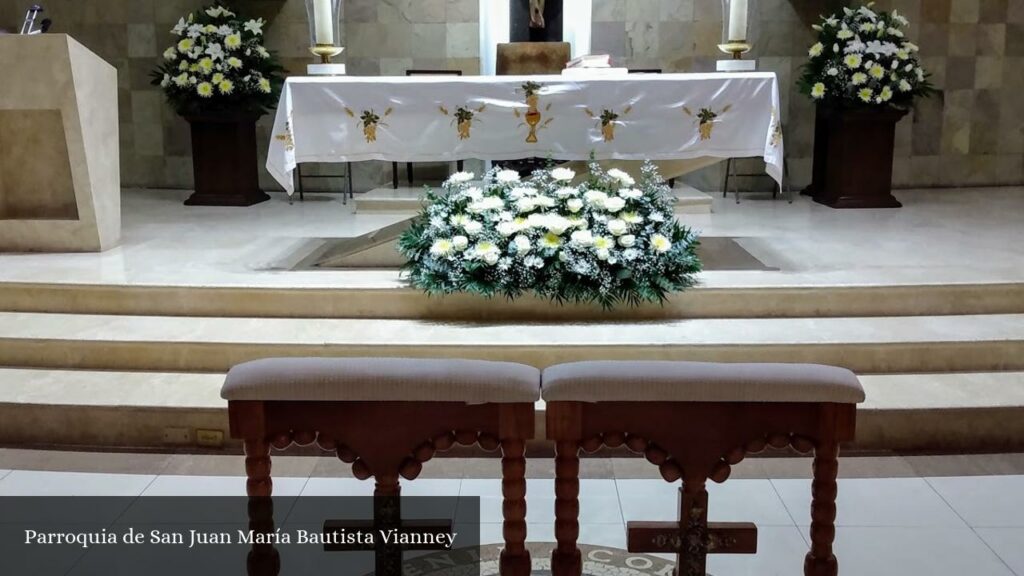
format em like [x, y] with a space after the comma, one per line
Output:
[209, 438]
[177, 436]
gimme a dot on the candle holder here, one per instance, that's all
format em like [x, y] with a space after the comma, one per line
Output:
[325, 34]
[735, 36]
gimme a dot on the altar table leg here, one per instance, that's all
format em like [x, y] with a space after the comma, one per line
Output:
[566, 559]
[820, 561]
[515, 558]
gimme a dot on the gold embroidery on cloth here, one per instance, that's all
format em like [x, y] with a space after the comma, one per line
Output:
[533, 116]
[463, 118]
[706, 119]
[607, 120]
[286, 137]
[370, 121]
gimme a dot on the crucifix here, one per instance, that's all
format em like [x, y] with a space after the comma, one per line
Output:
[692, 537]
[387, 516]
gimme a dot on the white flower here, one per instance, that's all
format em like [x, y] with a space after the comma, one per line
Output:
[534, 261]
[460, 242]
[507, 228]
[604, 243]
[877, 72]
[833, 71]
[632, 217]
[614, 204]
[566, 191]
[181, 80]
[460, 177]
[441, 247]
[215, 51]
[818, 90]
[226, 86]
[582, 237]
[631, 254]
[166, 81]
[627, 241]
[254, 26]
[170, 54]
[603, 254]
[214, 12]
[264, 85]
[180, 27]
[660, 243]
[522, 244]
[522, 191]
[544, 201]
[224, 30]
[526, 204]
[459, 220]
[595, 198]
[487, 203]
[845, 34]
[574, 205]
[865, 94]
[885, 95]
[204, 89]
[185, 44]
[555, 223]
[617, 227]
[473, 227]
[263, 53]
[905, 86]
[858, 78]
[631, 193]
[562, 174]
[195, 31]
[621, 176]
[487, 251]
[473, 193]
[920, 74]
[655, 217]
[550, 240]
[505, 216]
[853, 61]
[507, 176]
[816, 50]
[234, 62]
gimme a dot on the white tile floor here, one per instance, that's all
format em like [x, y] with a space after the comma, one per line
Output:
[948, 526]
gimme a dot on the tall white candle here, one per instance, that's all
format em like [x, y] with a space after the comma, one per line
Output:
[324, 17]
[738, 20]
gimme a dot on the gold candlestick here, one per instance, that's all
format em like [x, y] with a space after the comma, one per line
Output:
[325, 52]
[735, 47]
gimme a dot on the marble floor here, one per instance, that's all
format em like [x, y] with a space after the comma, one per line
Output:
[939, 236]
[907, 515]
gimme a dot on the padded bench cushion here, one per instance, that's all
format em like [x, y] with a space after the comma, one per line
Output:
[382, 379]
[662, 381]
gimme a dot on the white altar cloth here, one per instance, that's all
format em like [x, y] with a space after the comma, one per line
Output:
[445, 118]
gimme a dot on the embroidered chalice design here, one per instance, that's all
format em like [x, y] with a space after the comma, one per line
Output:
[286, 137]
[463, 119]
[608, 119]
[706, 119]
[533, 116]
[370, 120]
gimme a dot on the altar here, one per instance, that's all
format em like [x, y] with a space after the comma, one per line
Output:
[447, 118]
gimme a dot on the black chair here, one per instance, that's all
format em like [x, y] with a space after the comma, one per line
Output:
[300, 186]
[408, 165]
[731, 172]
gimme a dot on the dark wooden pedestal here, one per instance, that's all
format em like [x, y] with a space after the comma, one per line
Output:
[388, 441]
[697, 441]
[224, 161]
[853, 157]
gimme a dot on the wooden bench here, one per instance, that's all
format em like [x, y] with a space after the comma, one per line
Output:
[695, 421]
[386, 417]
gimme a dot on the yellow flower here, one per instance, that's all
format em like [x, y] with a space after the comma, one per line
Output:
[226, 86]
[816, 50]
[233, 41]
[210, 29]
[818, 90]
[632, 218]
[181, 79]
[550, 240]
[217, 78]
[660, 243]
[264, 85]
[206, 65]
[877, 72]
[853, 60]
[885, 95]
[865, 94]
[603, 243]
[204, 89]
[859, 78]
[234, 62]
[185, 44]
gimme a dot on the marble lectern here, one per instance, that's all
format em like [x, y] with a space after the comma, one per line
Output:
[60, 183]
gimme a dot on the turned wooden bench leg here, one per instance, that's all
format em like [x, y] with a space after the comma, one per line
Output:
[820, 561]
[263, 559]
[566, 559]
[515, 558]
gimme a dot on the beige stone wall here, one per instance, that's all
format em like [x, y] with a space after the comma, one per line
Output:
[969, 134]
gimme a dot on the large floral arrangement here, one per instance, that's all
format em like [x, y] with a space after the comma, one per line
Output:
[863, 59]
[609, 240]
[219, 64]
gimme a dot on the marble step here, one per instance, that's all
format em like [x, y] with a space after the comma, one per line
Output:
[165, 343]
[379, 294]
[950, 411]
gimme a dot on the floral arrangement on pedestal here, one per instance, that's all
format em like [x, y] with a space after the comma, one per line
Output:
[218, 62]
[221, 79]
[610, 240]
[862, 58]
[863, 74]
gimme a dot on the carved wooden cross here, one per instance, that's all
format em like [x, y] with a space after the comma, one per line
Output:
[387, 514]
[692, 538]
